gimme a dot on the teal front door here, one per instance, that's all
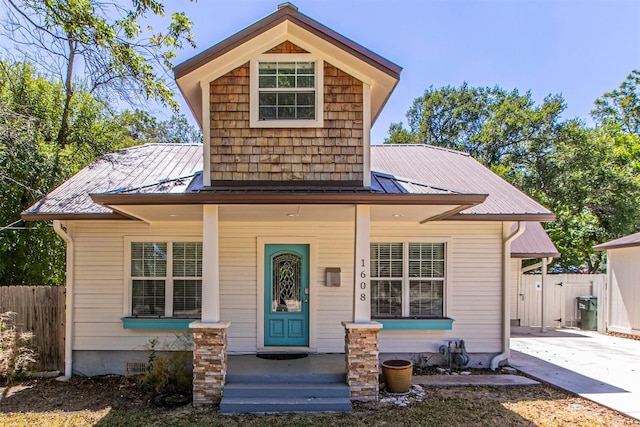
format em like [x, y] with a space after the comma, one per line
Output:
[286, 314]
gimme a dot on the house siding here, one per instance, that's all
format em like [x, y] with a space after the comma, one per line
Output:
[474, 286]
[624, 310]
[241, 153]
[474, 283]
[286, 47]
[100, 283]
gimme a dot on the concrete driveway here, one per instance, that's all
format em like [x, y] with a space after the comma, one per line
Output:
[598, 367]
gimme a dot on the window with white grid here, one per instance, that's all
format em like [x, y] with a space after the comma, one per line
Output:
[166, 279]
[408, 279]
[286, 91]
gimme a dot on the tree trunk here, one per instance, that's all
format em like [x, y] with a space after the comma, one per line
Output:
[63, 131]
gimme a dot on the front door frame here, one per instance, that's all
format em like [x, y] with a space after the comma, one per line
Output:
[262, 241]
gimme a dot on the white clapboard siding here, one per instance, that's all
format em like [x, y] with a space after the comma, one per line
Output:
[475, 291]
[624, 270]
[475, 285]
[100, 285]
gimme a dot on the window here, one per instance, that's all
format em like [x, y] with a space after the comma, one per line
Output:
[166, 279]
[407, 280]
[285, 91]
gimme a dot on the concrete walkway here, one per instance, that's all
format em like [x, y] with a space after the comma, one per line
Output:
[472, 380]
[598, 367]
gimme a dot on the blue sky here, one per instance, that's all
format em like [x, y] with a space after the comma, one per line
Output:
[579, 48]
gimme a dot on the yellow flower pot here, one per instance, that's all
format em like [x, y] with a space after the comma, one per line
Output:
[397, 375]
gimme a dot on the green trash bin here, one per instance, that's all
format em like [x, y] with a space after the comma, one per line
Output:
[588, 307]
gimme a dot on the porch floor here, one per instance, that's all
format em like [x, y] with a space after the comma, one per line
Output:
[313, 368]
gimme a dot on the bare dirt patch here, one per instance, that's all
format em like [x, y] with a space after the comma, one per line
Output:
[80, 393]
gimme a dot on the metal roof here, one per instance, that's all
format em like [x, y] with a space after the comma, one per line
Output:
[416, 174]
[147, 168]
[623, 242]
[457, 172]
[534, 242]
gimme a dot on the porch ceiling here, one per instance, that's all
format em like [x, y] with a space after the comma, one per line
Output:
[268, 213]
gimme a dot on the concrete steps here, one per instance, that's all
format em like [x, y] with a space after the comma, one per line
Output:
[285, 395]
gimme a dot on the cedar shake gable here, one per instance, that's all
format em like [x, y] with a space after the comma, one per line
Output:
[387, 73]
[286, 101]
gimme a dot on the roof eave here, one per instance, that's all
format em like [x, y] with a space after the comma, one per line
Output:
[525, 255]
[531, 216]
[246, 198]
[272, 20]
[606, 246]
[28, 216]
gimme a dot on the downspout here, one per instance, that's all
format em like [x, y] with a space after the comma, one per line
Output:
[506, 293]
[68, 355]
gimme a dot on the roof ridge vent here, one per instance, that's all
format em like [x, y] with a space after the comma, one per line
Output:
[287, 4]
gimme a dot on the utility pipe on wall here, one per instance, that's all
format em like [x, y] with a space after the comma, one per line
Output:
[68, 348]
[506, 289]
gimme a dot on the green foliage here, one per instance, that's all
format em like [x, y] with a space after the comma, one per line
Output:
[489, 123]
[620, 108]
[141, 126]
[399, 135]
[16, 355]
[117, 53]
[99, 48]
[32, 163]
[27, 171]
[590, 178]
[169, 372]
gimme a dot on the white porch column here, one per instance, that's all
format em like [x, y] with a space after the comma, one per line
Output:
[210, 264]
[361, 270]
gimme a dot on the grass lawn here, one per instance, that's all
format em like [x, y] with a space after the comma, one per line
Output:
[115, 401]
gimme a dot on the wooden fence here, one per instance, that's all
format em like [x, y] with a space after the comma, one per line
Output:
[40, 311]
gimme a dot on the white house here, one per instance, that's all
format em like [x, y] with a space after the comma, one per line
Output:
[623, 295]
[287, 229]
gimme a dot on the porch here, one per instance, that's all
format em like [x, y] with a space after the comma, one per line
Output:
[312, 368]
[312, 383]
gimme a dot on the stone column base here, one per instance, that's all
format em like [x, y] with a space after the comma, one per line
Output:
[209, 361]
[361, 354]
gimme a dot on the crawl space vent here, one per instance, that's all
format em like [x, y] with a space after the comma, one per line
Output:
[135, 368]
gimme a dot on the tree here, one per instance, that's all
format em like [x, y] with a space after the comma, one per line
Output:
[31, 162]
[98, 47]
[620, 108]
[590, 178]
[146, 129]
[489, 123]
[25, 173]
[594, 189]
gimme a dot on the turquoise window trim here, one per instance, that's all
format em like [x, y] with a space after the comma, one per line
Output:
[442, 324]
[157, 324]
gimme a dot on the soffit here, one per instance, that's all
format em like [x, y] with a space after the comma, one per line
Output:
[282, 213]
